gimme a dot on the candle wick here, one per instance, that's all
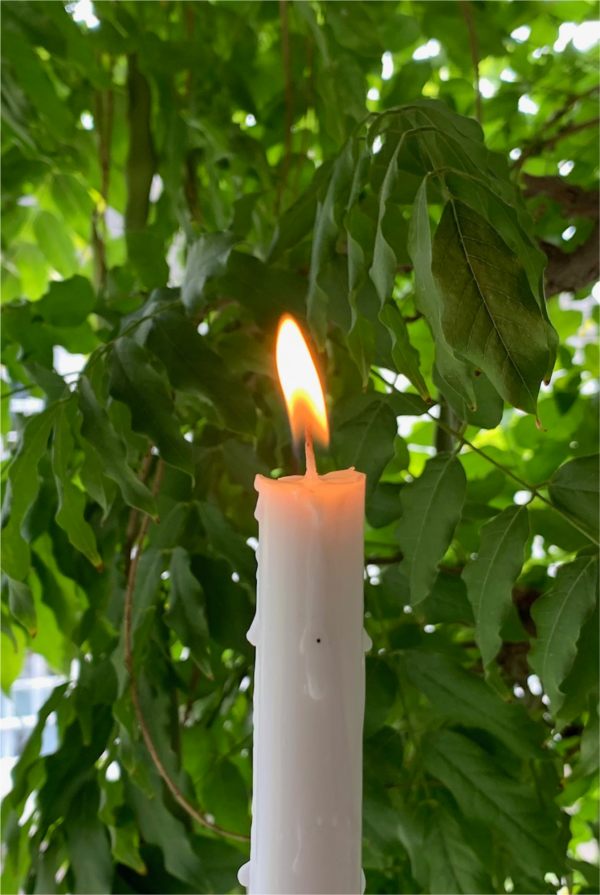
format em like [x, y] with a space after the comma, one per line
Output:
[311, 466]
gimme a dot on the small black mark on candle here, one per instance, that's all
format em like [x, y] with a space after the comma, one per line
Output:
[318, 639]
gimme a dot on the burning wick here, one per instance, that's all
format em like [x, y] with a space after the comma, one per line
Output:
[309, 453]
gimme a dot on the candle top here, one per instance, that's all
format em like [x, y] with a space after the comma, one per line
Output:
[338, 478]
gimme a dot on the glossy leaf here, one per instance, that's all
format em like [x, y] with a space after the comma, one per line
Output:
[104, 440]
[431, 508]
[575, 488]
[136, 382]
[499, 328]
[491, 576]
[559, 616]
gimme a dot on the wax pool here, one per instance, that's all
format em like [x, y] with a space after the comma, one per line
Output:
[309, 686]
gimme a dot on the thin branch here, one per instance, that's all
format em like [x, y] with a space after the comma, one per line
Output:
[467, 12]
[173, 788]
[525, 485]
[572, 271]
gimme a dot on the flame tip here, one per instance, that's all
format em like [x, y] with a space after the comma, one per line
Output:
[300, 382]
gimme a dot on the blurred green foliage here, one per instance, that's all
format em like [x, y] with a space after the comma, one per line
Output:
[175, 176]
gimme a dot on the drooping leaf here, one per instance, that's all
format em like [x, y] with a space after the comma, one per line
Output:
[490, 316]
[405, 357]
[206, 258]
[67, 302]
[22, 605]
[464, 698]
[559, 616]
[137, 383]
[575, 488]
[226, 797]
[452, 865]
[24, 486]
[429, 300]
[490, 577]
[364, 439]
[431, 508]
[486, 794]
[186, 613]
[71, 500]
[55, 243]
[87, 843]
[103, 438]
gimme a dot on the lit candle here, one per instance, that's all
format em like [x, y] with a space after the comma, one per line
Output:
[310, 676]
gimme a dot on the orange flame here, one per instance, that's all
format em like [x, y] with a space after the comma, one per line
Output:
[300, 383]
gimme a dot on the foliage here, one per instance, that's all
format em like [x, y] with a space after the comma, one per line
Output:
[175, 176]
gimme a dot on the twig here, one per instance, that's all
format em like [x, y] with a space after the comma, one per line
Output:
[545, 140]
[474, 46]
[287, 71]
[135, 696]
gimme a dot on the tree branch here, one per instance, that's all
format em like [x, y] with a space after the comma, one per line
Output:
[287, 71]
[572, 271]
[141, 157]
[173, 788]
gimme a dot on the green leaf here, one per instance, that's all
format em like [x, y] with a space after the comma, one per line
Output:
[453, 866]
[559, 616]
[574, 488]
[381, 689]
[487, 795]
[67, 303]
[464, 698]
[490, 315]
[405, 357]
[71, 501]
[207, 258]
[226, 797]
[101, 435]
[431, 508]
[429, 300]
[54, 241]
[329, 216]
[13, 657]
[365, 438]
[22, 605]
[490, 577]
[193, 366]
[186, 613]
[135, 381]
[389, 232]
[87, 843]
[226, 542]
[23, 489]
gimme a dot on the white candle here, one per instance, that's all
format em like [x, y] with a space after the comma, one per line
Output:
[309, 682]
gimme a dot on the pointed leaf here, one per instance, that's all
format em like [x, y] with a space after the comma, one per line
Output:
[55, 243]
[405, 357]
[431, 508]
[429, 301]
[490, 577]
[136, 382]
[559, 616]
[87, 842]
[490, 315]
[487, 794]
[23, 488]
[465, 698]
[452, 864]
[186, 613]
[71, 501]
[207, 258]
[99, 431]
[22, 605]
[575, 488]
[365, 440]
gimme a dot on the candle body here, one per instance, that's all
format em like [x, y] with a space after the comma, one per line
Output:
[309, 686]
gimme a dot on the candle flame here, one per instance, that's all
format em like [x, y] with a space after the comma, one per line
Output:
[300, 383]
